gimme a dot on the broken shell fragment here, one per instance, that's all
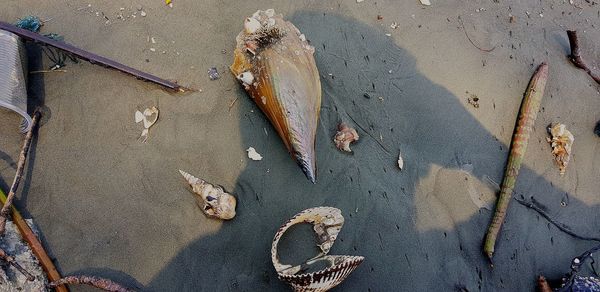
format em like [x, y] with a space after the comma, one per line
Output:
[400, 161]
[213, 200]
[561, 142]
[327, 223]
[247, 78]
[344, 137]
[252, 154]
[283, 80]
[149, 118]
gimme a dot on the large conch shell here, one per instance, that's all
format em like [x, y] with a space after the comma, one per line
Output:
[275, 64]
[213, 200]
[327, 223]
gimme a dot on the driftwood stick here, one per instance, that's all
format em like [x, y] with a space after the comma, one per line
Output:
[5, 257]
[35, 245]
[576, 58]
[100, 283]
[20, 167]
[527, 115]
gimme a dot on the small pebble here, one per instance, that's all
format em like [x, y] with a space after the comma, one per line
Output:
[152, 49]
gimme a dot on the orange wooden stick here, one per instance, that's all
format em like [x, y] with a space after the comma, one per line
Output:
[35, 245]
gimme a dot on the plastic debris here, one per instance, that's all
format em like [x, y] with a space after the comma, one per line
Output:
[425, 2]
[13, 76]
[30, 23]
[252, 154]
[149, 117]
[213, 74]
[394, 25]
[562, 141]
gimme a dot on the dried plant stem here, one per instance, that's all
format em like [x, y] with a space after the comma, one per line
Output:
[100, 283]
[527, 115]
[5, 257]
[35, 245]
[20, 167]
[576, 58]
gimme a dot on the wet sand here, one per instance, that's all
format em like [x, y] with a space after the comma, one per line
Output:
[111, 206]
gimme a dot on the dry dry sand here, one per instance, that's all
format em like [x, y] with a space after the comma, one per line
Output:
[109, 205]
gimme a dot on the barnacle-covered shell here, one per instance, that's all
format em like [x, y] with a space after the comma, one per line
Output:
[275, 64]
[213, 200]
[561, 141]
[327, 223]
[344, 137]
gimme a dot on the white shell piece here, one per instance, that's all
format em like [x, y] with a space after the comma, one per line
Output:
[252, 154]
[246, 77]
[425, 2]
[251, 25]
[138, 116]
[400, 161]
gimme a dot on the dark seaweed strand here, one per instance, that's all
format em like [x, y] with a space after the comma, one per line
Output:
[527, 115]
[88, 56]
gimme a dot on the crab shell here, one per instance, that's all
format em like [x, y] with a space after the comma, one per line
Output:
[327, 223]
[285, 82]
[213, 200]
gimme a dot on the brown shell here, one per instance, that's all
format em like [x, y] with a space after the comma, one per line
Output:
[286, 85]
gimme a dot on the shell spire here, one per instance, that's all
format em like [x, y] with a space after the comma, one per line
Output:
[275, 65]
[213, 200]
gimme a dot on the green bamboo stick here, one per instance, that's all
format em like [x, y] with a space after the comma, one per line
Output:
[527, 115]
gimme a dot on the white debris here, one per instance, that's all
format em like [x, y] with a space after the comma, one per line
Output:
[388, 34]
[246, 77]
[358, 1]
[251, 25]
[143, 13]
[425, 2]
[400, 161]
[152, 50]
[394, 25]
[252, 154]
[149, 116]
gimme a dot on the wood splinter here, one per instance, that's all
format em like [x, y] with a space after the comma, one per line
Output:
[11, 261]
[20, 167]
[576, 58]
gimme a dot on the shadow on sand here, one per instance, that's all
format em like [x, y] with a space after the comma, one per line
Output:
[433, 130]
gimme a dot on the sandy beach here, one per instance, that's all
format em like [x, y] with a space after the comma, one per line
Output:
[108, 205]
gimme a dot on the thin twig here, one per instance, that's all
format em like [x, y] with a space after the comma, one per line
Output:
[100, 283]
[233, 103]
[5, 257]
[527, 115]
[20, 167]
[35, 245]
[536, 206]
[470, 40]
[48, 71]
[576, 58]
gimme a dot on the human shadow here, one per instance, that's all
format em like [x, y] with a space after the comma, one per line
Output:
[434, 132]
